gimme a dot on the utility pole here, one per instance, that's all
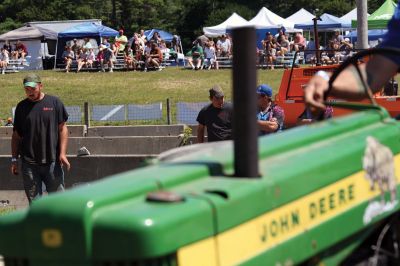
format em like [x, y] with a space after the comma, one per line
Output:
[362, 25]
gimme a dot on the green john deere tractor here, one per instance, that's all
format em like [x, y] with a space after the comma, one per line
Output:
[326, 194]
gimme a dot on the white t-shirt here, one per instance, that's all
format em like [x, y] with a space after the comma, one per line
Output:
[209, 52]
[225, 45]
[4, 56]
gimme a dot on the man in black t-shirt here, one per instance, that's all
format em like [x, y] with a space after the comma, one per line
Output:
[216, 117]
[40, 137]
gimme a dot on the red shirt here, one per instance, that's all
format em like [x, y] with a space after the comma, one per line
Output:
[22, 47]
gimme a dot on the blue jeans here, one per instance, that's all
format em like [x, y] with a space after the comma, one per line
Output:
[52, 175]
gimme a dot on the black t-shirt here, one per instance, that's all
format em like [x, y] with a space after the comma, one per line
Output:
[218, 121]
[37, 124]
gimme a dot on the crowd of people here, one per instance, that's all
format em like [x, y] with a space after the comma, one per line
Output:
[138, 53]
[337, 49]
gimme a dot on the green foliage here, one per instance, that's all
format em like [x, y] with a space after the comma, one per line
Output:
[184, 17]
[9, 24]
[219, 15]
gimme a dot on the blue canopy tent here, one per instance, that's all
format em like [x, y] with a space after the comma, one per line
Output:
[373, 35]
[163, 34]
[166, 36]
[84, 30]
[327, 22]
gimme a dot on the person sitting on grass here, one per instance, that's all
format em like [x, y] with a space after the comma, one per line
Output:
[195, 56]
[68, 55]
[155, 57]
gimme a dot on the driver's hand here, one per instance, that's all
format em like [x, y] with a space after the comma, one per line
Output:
[314, 93]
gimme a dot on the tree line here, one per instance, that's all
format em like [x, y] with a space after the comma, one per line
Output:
[183, 17]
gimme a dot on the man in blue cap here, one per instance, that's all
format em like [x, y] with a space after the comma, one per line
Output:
[270, 116]
[40, 137]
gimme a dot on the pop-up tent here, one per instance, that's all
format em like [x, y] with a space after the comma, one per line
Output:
[32, 38]
[40, 38]
[380, 18]
[301, 16]
[87, 30]
[267, 21]
[163, 34]
[29, 33]
[233, 21]
[327, 22]
[373, 35]
[265, 18]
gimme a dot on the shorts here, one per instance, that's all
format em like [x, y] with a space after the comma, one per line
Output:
[210, 61]
[51, 175]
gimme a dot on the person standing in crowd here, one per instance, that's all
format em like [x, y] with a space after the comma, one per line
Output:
[4, 60]
[210, 56]
[216, 117]
[40, 138]
[75, 47]
[270, 117]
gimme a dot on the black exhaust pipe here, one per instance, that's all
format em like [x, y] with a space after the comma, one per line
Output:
[245, 129]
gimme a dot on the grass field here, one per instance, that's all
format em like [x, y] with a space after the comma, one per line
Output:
[127, 87]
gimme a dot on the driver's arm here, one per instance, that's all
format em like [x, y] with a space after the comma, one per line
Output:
[348, 84]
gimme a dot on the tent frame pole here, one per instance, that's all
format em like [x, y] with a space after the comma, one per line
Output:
[55, 56]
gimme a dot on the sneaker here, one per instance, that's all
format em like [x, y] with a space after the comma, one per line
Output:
[111, 70]
[145, 69]
[3, 72]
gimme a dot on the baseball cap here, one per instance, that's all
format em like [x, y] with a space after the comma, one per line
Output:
[31, 80]
[216, 91]
[264, 89]
[346, 39]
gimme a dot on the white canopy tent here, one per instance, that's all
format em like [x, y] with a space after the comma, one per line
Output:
[266, 19]
[233, 21]
[301, 16]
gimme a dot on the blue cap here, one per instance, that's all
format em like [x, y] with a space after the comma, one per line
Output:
[264, 89]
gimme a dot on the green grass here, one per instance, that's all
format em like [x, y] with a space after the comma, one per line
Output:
[127, 87]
